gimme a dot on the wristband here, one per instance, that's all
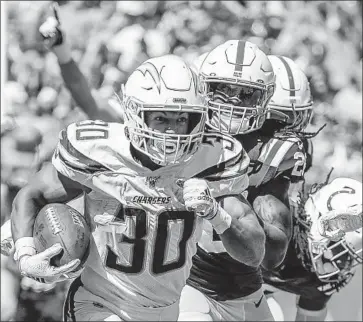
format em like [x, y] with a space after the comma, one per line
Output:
[221, 221]
[24, 246]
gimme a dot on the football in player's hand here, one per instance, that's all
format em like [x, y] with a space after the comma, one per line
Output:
[60, 223]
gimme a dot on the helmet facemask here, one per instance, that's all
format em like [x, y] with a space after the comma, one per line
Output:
[235, 107]
[293, 117]
[332, 260]
[237, 80]
[164, 148]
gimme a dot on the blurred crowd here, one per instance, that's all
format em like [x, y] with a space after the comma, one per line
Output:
[109, 39]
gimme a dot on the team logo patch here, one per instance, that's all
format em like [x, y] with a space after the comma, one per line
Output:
[151, 181]
[180, 183]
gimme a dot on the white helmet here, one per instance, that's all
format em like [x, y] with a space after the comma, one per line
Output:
[292, 102]
[333, 260]
[237, 80]
[164, 84]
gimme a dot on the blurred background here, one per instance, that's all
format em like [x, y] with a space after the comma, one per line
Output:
[110, 38]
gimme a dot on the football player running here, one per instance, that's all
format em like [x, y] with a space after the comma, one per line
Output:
[238, 81]
[316, 266]
[147, 187]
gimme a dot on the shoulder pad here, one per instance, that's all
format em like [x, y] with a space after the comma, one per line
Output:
[279, 149]
[89, 147]
[229, 156]
[281, 154]
[294, 154]
[75, 144]
[227, 162]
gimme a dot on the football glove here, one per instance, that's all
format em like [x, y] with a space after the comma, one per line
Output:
[198, 198]
[336, 223]
[38, 266]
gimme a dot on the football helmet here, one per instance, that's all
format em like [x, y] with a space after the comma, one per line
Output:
[237, 80]
[332, 260]
[292, 102]
[163, 84]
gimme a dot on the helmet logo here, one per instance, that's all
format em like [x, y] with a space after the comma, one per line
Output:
[345, 189]
[154, 73]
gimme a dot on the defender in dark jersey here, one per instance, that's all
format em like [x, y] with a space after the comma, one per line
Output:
[235, 84]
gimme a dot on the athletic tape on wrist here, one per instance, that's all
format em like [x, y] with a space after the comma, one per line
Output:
[221, 221]
[24, 246]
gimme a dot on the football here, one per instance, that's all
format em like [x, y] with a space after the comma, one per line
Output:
[60, 223]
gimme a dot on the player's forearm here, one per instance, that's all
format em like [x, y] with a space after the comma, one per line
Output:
[277, 227]
[276, 246]
[44, 188]
[245, 241]
[26, 205]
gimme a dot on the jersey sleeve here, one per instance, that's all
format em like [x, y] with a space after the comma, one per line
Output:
[282, 157]
[228, 176]
[72, 158]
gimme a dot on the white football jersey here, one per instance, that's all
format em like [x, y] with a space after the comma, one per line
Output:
[145, 255]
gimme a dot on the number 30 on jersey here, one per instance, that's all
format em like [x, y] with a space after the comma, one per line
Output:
[138, 242]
